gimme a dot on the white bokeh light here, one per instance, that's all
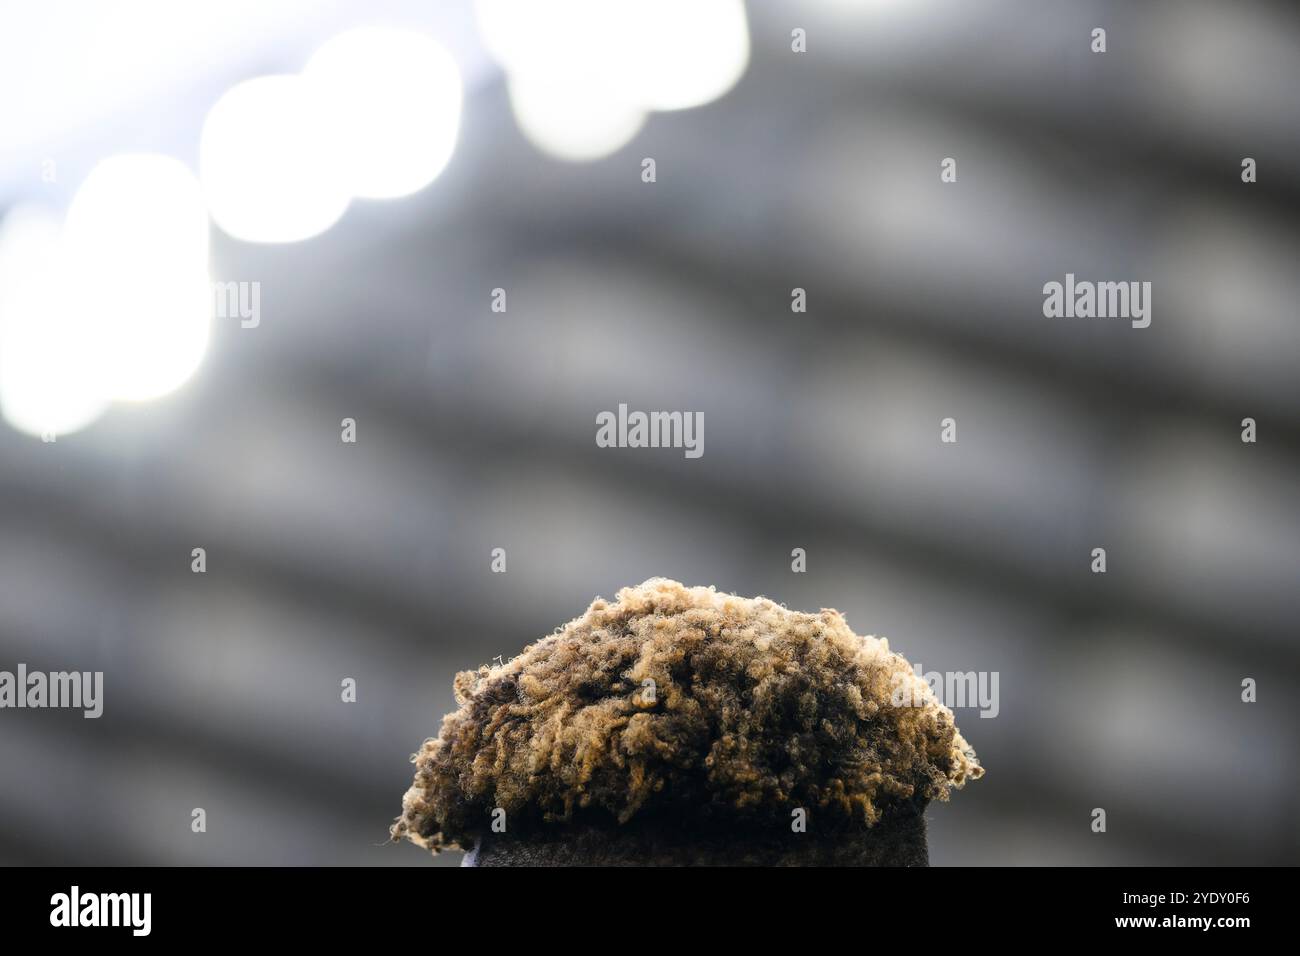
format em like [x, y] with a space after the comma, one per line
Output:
[136, 272]
[269, 163]
[603, 63]
[575, 37]
[679, 54]
[572, 122]
[48, 380]
[394, 97]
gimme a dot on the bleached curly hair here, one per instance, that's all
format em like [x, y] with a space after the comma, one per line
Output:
[684, 703]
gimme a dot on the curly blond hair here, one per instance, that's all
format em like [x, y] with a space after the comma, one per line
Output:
[701, 707]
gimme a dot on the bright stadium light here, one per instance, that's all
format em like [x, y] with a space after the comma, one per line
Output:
[582, 73]
[48, 383]
[394, 98]
[136, 271]
[571, 123]
[269, 163]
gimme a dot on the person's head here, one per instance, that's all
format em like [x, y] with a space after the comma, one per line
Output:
[679, 725]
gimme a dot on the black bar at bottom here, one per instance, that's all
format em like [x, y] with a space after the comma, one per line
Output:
[439, 906]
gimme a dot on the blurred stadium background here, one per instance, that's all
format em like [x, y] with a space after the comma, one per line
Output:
[475, 429]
